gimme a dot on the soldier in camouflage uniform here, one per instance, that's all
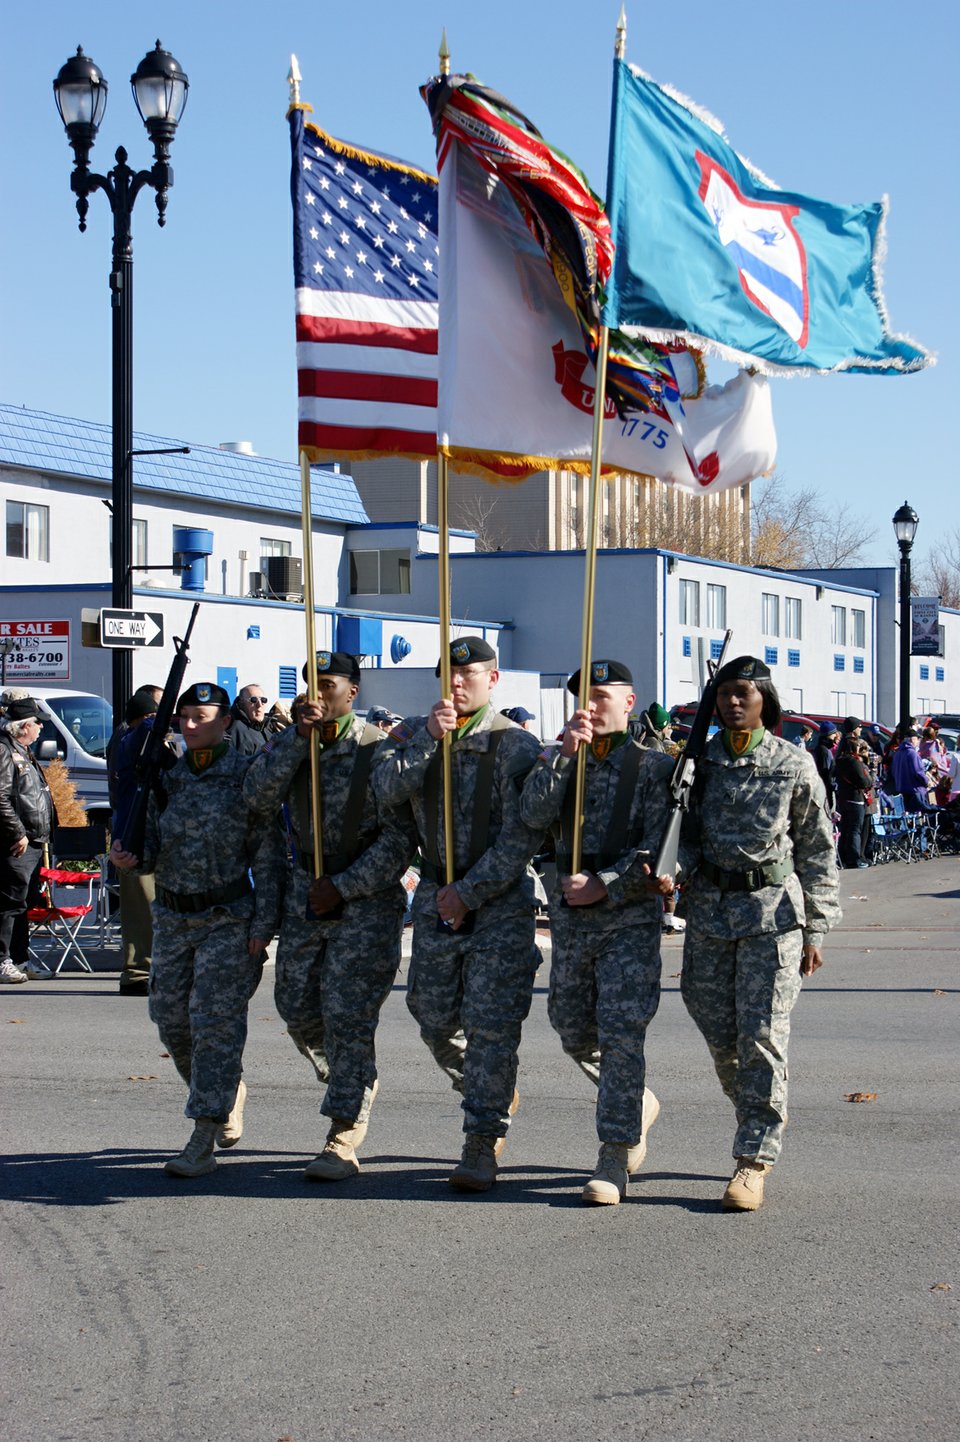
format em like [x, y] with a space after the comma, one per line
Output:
[471, 977]
[605, 920]
[339, 947]
[211, 925]
[761, 897]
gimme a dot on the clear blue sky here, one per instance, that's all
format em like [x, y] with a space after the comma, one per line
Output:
[847, 101]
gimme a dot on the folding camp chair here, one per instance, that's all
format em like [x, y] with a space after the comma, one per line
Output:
[89, 843]
[899, 828]
[61, 923]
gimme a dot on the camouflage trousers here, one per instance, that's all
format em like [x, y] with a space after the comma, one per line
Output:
[741, 994]
[470, 996]
[604, 992]
[201, 982]
[332, 979]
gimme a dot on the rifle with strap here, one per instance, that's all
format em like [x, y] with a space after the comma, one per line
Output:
[685, 771]
[153, 758]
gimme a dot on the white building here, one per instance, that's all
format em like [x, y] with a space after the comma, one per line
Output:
[830, 638]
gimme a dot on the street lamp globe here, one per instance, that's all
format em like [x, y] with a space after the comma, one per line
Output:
[81, 95]
[905, 523]
[160, 91]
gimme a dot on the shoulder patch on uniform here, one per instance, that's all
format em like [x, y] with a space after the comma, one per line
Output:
[402, 733]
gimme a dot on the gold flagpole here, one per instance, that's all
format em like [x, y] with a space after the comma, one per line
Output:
[589, 593]
[309, 618]
[443, 575]
[446, 687]
[590, 573]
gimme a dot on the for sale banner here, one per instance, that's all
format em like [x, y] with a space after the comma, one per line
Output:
[34, 651]
[925, 626]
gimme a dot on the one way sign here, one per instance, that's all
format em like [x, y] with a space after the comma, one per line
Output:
[131, 628]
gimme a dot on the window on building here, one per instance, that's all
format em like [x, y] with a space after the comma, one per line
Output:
[687, 646]
[858, 665]
[793, 618]
[716, 650]
[941, 673]
[924, 673]
[839, 662]
[689, 603]
[838, 625]
[770, 655]
[859, 621]
[380, 573]
[770, 613]
[270, 546]
[793, 658]
[140, 545]
[717, 608]
[28, 531]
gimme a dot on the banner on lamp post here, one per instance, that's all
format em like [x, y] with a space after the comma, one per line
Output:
[925, 626]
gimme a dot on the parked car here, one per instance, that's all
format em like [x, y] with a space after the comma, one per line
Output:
[76, 729]
[791, 723]
[950, 719]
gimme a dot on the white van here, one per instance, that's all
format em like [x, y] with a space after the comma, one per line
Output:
[76, 729]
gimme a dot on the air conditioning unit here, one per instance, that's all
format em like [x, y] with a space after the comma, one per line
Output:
[283, 576]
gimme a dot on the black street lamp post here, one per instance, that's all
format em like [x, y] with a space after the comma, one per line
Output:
[905, 524]
[160, 91]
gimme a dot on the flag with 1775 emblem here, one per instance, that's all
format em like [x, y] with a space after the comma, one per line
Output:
[707, 250]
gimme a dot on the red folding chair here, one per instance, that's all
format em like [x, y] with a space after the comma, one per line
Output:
[62, 923]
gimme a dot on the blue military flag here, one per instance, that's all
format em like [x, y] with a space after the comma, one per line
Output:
[709, 251]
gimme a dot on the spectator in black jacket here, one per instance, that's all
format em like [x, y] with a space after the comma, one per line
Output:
[249, 713]
[26, 822]
[823, 757]
[853, 784]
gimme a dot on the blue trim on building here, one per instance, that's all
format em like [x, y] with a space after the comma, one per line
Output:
[789, 576]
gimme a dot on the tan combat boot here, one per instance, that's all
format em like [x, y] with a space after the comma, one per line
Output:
[649, 1114]
[501, 1142]
[477, 1170]
[744, 1191]
[196, 1159]
[608, 1185]
[338, 1160]
[232, 1129]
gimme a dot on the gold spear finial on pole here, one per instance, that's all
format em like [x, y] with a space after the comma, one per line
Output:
[293, 80]
[444, 53]
[620, 49]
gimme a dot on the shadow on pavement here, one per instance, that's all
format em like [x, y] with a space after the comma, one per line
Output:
[95, 1179]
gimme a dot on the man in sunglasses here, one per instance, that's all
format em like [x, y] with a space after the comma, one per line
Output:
[249, 713]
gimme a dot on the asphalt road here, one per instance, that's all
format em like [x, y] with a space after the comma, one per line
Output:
[255, 1307]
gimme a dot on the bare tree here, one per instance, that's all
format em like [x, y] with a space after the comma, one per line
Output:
[792, 530]
[939, 575]
[476, 513]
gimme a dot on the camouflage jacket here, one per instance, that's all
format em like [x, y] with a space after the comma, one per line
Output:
[504, 867]
[208, 837]
[542, 805]
[759, 809]
[385, 841]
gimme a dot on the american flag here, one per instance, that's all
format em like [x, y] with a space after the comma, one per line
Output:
[365, 259]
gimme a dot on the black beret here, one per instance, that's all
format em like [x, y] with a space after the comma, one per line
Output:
[466, 649]
[204, 693]
[26, 709]
[602, 673]
[851, 723]
[140, 705]
[743, 668]
[336, 663]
